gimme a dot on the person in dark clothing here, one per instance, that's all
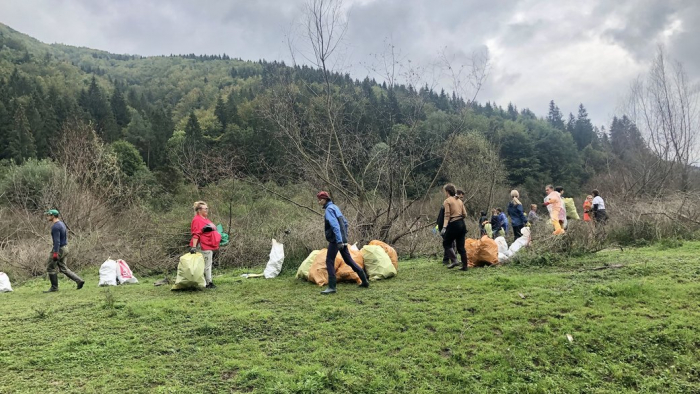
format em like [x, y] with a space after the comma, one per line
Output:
[448, 257]
[496, 224]
[483, 219]
[336, 230]
[59, 253]
[599, 212]
[453, 227]
[517, 216]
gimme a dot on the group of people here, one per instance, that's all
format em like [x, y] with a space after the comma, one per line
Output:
[450, 223]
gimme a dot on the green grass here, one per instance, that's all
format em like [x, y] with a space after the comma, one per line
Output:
[429, 330]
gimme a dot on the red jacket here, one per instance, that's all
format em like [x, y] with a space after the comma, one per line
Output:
[207, 241]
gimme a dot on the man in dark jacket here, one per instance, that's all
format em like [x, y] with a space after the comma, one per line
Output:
[336, 229]
[59, 252]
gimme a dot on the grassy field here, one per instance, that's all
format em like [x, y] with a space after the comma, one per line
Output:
[429, 330]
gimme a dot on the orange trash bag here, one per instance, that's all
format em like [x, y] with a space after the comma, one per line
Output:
[343, 273]
[481, 252]
[390, 251]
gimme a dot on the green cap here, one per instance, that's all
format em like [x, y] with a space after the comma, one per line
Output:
[51, 212]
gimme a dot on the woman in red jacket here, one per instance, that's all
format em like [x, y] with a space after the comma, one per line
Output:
[205, 235]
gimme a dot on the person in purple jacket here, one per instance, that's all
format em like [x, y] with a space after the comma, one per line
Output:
[336, 229]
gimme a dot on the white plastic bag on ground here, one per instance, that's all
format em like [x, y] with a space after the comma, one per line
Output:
[124, 273]
[274, 265]
[108, 273]
[5, 285]
[520, 243]
[502, 244]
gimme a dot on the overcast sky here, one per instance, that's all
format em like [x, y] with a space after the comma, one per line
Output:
[569, 51]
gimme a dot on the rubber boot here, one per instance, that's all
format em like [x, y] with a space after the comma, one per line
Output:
[454, 264]
[211, 285]
[363, 277]
[331, 286]
[53, 278]
[557, 227]
[75, 278]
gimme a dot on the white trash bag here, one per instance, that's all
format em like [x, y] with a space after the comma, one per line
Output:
[5, 285]
[108, 273]
[124, 274]
[520, 243]
[274, 265]
[502, 244]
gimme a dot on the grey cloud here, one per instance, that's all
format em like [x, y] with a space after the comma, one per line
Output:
[569, 51]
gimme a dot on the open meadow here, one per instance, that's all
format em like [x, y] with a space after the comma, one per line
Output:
[429, 330]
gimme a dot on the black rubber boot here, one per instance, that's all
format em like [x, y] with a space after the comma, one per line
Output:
[75, 278]
[331, 286]
[454, 264]
[363, 277]
[53, 278]
[211, 285]
[464, 267]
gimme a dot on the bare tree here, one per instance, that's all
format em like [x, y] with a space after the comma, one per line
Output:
[664, 106]
[382, 176]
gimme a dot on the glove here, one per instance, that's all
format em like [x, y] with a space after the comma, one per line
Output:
[341, 246]
[193, 250]
[54, 256]
[443, 231]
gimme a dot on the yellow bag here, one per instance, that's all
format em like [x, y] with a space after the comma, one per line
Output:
[303, 271]
[390, 251]
[343, 273]
[377, 263]
[190, 272]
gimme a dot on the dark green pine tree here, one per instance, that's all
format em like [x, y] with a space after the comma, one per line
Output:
[6, 129]
[554, 118]
[232, 116]
[584, 134]
[625, 138]
[97, 107]
[571, 124]
[220, 112]
[20, 144]
[512, 112]
[162, 128]
[193, 132]
[119, 108]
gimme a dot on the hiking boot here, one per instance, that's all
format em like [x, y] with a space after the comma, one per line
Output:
[53, 278]
[211, 285]
[331, 287]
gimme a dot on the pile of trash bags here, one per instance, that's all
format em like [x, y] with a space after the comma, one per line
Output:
[379, 260]
[116, 272]
[487, 251]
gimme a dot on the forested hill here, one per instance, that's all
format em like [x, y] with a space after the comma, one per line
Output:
[217, 101]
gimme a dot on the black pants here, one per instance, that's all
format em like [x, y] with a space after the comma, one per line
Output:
[345, 254]
[517, 232]
[456, 232]
[600, 216]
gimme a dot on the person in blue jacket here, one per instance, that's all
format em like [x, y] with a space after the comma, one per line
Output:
[517, 216]
[336, 229]
[503, 219]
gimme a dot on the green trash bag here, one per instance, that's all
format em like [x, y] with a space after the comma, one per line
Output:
[190, 272]
[303, 271]
[224, 236]
[570, 206]
[377, 262]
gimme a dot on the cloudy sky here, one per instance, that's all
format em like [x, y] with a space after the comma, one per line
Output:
[540, 50]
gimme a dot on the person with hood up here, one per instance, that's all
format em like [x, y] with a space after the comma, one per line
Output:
[336, 230]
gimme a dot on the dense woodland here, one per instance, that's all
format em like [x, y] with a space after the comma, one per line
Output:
[160, 116]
